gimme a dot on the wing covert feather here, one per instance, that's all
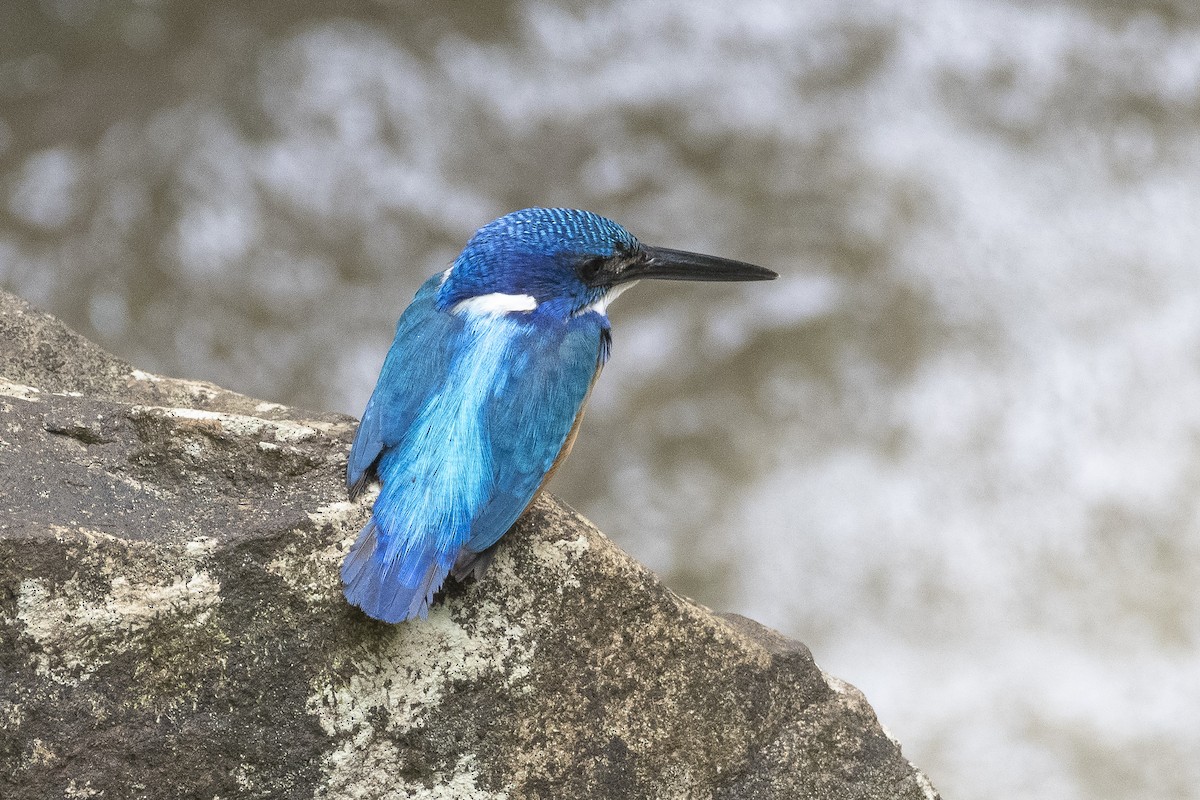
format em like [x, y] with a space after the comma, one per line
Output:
[416, 366]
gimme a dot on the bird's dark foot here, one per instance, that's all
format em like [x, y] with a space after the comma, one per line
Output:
[472, 565]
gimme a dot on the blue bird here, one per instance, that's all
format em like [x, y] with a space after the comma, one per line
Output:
[482, 392]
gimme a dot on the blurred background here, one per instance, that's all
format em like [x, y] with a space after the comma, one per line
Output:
[955, 448]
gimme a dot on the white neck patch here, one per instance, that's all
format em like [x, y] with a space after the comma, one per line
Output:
[495, 303]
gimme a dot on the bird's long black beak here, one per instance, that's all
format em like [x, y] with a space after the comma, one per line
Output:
[677, 265]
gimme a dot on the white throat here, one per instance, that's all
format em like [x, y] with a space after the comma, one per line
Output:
[601, 305]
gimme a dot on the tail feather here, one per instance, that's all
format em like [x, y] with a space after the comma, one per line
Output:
[393, 586]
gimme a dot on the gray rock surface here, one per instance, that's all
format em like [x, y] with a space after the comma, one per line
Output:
[171, 625]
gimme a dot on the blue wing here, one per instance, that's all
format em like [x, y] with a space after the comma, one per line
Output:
[415, 367]
[533, 418]
[468, 417]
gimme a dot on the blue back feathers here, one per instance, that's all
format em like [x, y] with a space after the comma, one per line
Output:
[490, 368]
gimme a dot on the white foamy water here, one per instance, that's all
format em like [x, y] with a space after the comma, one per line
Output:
[954, 449]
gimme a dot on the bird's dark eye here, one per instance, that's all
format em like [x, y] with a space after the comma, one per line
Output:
[589, 268]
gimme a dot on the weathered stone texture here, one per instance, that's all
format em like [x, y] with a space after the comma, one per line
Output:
[171, 625]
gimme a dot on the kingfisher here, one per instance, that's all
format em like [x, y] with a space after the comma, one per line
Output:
[481, 394]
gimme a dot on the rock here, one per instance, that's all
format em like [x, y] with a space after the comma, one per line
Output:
[171, 625]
